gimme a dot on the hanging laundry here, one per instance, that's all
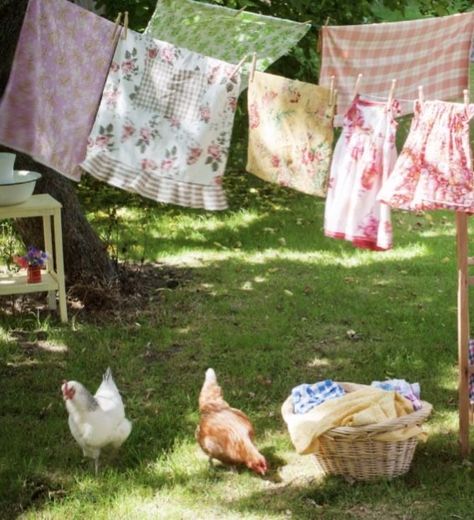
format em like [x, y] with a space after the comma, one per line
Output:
[224, 33]
[164, 123]
[433, 52]
[290, 133]
[363, 158]
[60, 66]
[434, 168]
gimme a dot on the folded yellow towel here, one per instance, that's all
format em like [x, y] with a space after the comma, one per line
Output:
[363, 407]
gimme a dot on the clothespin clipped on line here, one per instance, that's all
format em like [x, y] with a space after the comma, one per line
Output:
[357, 85]
[391, 92]
[466, 97]
[331, 90]
[125, 25]
[117, 22]
[421, 97]
[240, 10]
[253, 66]
[319, 44]
[239, 65]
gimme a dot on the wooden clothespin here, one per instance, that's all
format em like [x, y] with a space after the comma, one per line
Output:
[331, 90]
[319, 45]
[240, 10]
[392, 90]
[253, 66]
[237, 67]
[357, 84]
[334, 102]
[421, 96]
[466, 97]
[117, 22]
[125, 26]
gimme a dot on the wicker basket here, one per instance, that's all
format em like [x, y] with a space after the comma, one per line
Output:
[353, 453]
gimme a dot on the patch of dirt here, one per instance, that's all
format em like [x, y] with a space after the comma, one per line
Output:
[136, 289]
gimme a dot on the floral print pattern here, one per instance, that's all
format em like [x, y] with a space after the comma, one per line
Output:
[290, 133]
[363, 159]
[434, 170]
[163, 154]
[218, 31]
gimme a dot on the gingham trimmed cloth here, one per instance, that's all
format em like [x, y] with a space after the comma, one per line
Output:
[431, 52]
[306, 396]
[164, 123]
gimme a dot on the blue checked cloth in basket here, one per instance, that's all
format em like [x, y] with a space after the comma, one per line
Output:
[471, 363]
[307, 396]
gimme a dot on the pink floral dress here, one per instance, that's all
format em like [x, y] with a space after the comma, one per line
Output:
[434, 168]
[363, 158]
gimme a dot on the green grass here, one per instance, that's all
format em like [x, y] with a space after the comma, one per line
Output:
[267, 301]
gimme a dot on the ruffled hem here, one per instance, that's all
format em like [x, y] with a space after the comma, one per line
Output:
[360, 242]
[161, 189]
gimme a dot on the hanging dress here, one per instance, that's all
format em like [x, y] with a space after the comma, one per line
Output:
[363, 158]
[434, 169]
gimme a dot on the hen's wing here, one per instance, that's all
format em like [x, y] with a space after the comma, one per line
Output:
[121, 433]
[224, 436]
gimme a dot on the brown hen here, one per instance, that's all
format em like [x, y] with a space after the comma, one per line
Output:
[225, 433]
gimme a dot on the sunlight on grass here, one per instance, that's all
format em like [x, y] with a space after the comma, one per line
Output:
[358, 258]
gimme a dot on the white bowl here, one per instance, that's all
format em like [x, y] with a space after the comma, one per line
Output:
[20, 189]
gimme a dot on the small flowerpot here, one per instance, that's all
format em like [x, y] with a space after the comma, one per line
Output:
[33, 274]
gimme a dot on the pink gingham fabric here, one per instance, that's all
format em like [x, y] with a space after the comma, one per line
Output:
[432, 52]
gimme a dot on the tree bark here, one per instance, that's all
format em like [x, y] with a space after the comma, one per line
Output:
[85, 256]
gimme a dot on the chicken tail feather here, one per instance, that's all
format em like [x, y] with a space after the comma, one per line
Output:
[211, 393]
[107, 375]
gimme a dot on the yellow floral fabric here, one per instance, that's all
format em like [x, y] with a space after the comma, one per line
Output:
[290, 133]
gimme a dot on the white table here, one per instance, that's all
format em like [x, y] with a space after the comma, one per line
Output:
[52, 281]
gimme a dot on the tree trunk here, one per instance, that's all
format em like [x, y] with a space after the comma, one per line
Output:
[85, 257]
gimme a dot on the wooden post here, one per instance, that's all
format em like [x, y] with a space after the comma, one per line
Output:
[463, 331]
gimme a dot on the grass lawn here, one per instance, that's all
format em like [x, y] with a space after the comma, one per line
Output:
[267, 301]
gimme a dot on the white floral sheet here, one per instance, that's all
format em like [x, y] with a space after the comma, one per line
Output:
[164, 123]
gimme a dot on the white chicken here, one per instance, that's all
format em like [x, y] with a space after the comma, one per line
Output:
[96, 421]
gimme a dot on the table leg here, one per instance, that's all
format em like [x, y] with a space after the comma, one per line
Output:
[48, 246]
[58, 243]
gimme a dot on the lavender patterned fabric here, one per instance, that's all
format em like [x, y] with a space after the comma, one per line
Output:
[56, 82]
